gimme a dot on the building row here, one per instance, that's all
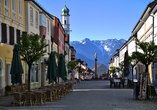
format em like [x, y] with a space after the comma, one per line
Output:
[28, 16]
[145, 31]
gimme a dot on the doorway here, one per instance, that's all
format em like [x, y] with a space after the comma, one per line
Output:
[1, 73]
[8, 75]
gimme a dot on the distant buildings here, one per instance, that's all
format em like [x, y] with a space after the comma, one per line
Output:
[100, 69]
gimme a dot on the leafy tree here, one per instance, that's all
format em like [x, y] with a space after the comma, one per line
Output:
[72, 65]
[147, 56]
[113, 69]
[80, 70]
[121, 65]
[132, 61]
[31, 49]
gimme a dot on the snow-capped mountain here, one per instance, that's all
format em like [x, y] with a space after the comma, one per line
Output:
[85, 50]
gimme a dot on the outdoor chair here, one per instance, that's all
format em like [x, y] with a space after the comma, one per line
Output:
[129, 83]
[64, 91]
[39, 98]
[54, 95]
[29, 98]
[18, 98]
[151, 91]
[112, 82]
[59, 94]
[14, 89]
[49, 95]
[122, 83]
[1, 90]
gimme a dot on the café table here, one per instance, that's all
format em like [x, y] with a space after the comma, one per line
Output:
[117, 81]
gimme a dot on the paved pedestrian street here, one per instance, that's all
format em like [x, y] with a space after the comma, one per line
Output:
[94, 95]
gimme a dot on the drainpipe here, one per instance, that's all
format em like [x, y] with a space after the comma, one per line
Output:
[153, 41]
[152, 26]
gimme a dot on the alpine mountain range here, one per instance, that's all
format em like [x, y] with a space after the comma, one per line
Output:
[85, 50]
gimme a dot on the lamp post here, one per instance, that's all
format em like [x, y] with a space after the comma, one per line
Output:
[133, 63]
[96, 74]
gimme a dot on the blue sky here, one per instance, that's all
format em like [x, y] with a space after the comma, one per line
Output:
[99, 19]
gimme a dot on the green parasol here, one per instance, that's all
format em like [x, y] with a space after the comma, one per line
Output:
[16, 66]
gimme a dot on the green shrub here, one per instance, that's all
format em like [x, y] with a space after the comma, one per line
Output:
[8, 88]
[96, 77]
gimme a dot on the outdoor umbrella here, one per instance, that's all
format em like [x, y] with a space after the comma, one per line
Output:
[52, 68]
[126, 65]
[16, 66]
[61, 67]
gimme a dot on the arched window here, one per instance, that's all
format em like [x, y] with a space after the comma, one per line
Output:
[65, 22]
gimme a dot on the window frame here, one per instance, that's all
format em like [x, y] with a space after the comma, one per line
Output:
[20, 7]
[36, 19]
[43, 20]
[47, 25]
[31, 14]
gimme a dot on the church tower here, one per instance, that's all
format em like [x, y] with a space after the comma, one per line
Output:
[65, 19]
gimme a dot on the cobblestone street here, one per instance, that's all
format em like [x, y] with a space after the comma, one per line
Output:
[94, 95]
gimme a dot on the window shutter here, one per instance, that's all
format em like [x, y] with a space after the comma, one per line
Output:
[11, 35]
[4, 33]
[18, 35]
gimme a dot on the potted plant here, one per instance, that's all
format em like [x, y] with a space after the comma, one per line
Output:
[7, 90]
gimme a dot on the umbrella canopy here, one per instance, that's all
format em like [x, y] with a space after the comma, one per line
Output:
[126, 65]
[16, 66]
[61, 67]
[52, 68]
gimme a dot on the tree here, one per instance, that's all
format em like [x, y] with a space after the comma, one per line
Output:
[80, 70]
[31, 49]
[132, 61]
[72, 65]
[113, 70]
[147, 56]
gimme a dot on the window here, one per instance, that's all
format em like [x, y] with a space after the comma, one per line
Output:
[48, 25]
[20, 7]
[0, 6]
[65, 22]
[34, 73]
[31, 14]
[14, 5]
[6, 9]
[14, 9]
[43, 20]
[7, 3]
[36, 14]
[40, 19]
[0, 32]
[8, 37]
[15, 39]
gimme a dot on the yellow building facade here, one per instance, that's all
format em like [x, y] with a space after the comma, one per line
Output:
[12, 25]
